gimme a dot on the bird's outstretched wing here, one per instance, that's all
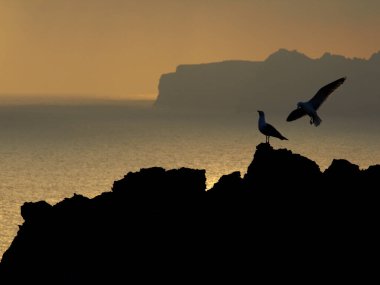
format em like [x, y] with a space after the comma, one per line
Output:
[324, 92]
[296, 114]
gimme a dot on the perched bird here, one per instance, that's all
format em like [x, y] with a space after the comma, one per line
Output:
[310, 107]
[267, 129]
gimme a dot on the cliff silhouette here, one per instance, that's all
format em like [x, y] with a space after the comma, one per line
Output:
[285, 77]
[283, 216]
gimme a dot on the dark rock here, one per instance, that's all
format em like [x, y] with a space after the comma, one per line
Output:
[163, 224]
[342, 175]
[281, 171]
[229, 185]
[35, 210]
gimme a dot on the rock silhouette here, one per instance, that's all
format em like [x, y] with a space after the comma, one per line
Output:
[162, 225]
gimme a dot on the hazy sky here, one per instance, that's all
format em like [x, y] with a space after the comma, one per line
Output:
[119, 48]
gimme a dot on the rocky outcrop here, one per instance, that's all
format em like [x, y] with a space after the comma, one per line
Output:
[285, 77]
[162, 225]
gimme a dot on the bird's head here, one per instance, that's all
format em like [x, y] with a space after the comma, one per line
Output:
[299, 104]
[261, 113]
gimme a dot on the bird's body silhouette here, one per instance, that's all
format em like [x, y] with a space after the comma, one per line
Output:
[310, 107]
[267, 129]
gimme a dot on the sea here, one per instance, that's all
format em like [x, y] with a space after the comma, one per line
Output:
[49, 152]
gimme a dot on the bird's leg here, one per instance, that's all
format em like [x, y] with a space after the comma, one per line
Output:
[311, 120]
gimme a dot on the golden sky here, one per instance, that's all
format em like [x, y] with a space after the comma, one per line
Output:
[119, 48]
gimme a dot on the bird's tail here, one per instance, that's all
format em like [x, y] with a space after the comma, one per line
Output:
[283, 138]
[316, 120]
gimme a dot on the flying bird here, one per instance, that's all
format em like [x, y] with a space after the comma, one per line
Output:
[267, 129]
[310, 107]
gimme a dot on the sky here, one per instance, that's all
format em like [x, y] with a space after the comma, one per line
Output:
[120, 48]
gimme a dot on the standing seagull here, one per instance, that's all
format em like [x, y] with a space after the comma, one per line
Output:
[267, 129]
[310, 107]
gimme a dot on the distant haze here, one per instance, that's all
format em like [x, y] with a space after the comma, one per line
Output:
[119, 49]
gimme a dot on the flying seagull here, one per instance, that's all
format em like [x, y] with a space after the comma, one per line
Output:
[267, 129]
[310, 107]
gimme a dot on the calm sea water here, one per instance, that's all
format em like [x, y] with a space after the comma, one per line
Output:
[51, 152]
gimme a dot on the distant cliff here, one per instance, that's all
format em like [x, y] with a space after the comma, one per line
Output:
[275, 84]
[162, 225]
